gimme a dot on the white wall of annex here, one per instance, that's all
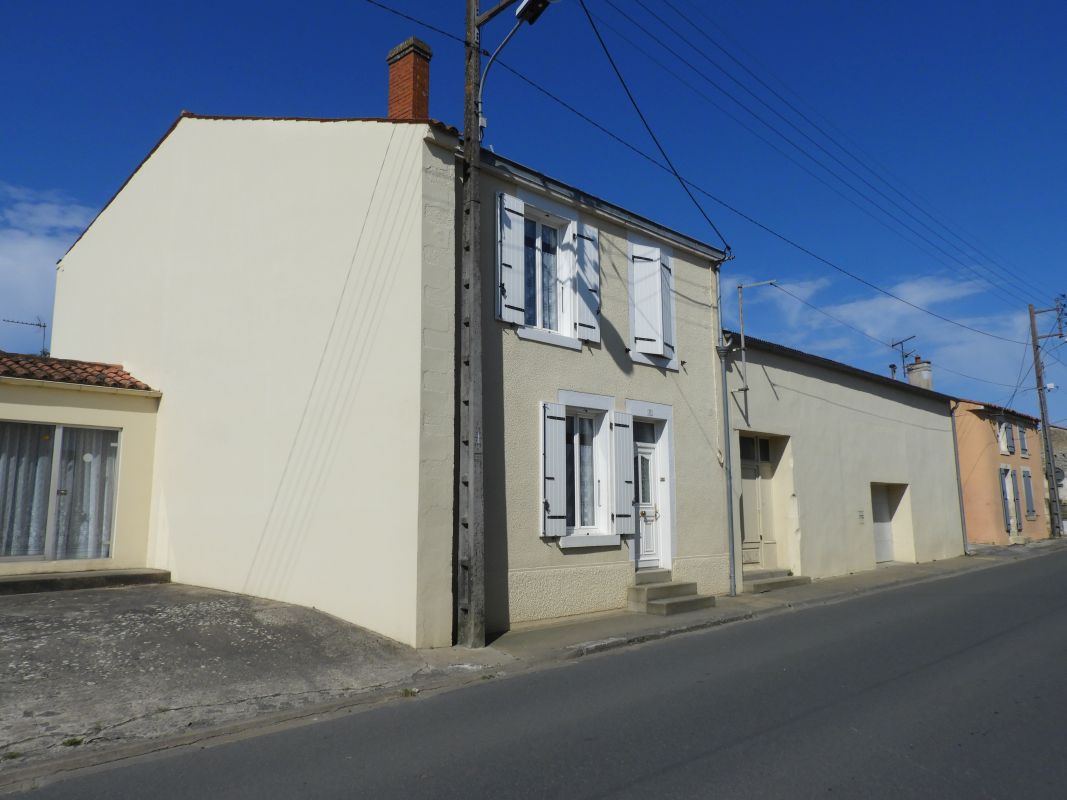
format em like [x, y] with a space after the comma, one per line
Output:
[266, 276]
[846, 433]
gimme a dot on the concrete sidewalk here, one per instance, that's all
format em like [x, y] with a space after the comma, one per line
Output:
[596, 633]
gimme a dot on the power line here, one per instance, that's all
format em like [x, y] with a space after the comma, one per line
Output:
[700, 190]
[862, 332]
[644, 121]
[969, 244]
[800, 148]
[786, 155]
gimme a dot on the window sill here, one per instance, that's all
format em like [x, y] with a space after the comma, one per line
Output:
[548, 337]
[654, 361]
[575, 541]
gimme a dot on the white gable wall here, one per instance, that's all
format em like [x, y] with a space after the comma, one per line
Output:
[291, 437]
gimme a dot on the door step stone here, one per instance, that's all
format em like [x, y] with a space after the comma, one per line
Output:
[658, 591]
[654, 592]
[759, 574]
[643, 576]
[761, 585]
[677, 605]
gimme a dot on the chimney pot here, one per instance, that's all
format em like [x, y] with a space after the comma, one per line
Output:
[409, 80]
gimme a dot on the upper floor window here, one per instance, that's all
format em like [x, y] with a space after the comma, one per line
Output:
[1007, 438]
[652, 328]
[1024, 448]
[548, 272]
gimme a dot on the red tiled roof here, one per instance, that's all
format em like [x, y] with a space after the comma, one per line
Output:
[62, 370]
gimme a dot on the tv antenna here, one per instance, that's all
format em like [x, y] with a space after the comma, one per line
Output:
[38, 324]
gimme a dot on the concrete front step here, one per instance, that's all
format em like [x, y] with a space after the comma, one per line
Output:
[677, 605]
[761, 585]
[760, 574]
[89, 579]
[643, 576]
[657, 591]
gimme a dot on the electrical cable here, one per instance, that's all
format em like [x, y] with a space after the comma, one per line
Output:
[975, 248]
[700, 190]
[800, 148]
[862, 332]
[648, 127]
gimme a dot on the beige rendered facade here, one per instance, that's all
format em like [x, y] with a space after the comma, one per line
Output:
[289, 286]
[835, 469]
[129, 414]
[1002, 474]
[585, 564]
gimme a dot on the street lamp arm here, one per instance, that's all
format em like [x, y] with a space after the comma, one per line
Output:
[485, 72]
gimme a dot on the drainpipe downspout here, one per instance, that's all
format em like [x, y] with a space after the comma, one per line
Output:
[724, 352]
[959, 480]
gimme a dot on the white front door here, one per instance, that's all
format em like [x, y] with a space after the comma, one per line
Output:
[649, 546]
[882, 519]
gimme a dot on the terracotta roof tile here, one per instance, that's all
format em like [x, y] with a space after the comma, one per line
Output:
[63, 370]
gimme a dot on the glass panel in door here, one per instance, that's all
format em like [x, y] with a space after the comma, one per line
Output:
[85, 494]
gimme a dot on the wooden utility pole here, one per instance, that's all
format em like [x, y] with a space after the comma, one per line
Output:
[1055, 517]
[470, 544]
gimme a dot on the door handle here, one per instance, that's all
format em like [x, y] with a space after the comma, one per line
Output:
[61, 492]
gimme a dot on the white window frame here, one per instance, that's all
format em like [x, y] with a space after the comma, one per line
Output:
[49, 549]
[599, 407]
[547, 212]
[673, 363]
[1004, 429]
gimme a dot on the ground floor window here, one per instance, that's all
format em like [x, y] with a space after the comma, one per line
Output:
[581, 473]
[57, 491]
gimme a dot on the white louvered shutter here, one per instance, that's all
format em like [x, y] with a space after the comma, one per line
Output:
[648, 305]
[667, 303]
[511, 259]
[554, 470]
[587, 320]
[623, 435]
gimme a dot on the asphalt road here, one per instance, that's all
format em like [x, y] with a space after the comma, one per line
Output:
[942, 690]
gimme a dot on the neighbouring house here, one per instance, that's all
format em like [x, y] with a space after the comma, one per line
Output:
[76, 452]
[835, 469]
[1002, 474]
[1059, 450]
[291, 286]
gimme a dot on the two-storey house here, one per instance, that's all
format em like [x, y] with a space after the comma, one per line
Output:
[1001, 473]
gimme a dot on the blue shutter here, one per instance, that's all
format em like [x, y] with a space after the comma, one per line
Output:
[1009, 434]
[1028, 488]
[1004, 499]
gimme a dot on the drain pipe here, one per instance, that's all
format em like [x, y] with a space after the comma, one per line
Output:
[724, 351]
[959, 480]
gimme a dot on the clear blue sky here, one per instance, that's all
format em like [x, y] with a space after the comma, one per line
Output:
[961, 102]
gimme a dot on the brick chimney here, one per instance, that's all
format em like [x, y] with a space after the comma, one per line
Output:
[409, 80]
[920, 373]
